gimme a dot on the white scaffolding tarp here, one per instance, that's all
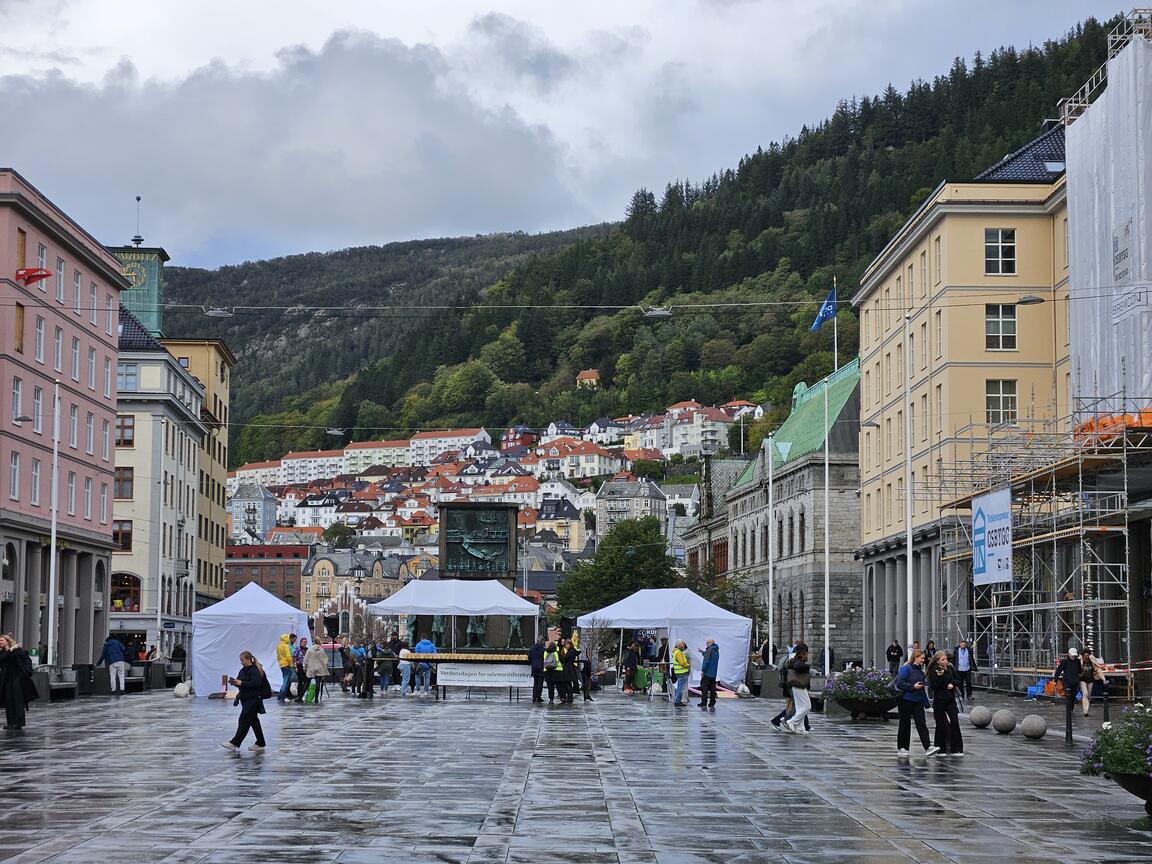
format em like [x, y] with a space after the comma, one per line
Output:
[1109, 170]
[250, 620]
[685, 615]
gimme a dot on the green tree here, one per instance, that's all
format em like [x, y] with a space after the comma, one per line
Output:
[634, 555]
[505, 356]
[339, 536]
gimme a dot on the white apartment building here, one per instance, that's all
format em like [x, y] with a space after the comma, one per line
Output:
[362, 455]
[154, 508]
[426, 446]
[261, 473]
[309, 465]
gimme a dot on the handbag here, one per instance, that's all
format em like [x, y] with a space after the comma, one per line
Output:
[310, 694]
[265, 687]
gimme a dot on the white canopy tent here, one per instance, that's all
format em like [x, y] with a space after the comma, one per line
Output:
[456, 597]
[688, 616]
[250, 620]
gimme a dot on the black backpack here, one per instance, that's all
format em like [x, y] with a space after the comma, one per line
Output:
[265, 687]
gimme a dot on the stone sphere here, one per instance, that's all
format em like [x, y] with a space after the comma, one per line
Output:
[1004, 721]
[980, 717]
[1034, 727]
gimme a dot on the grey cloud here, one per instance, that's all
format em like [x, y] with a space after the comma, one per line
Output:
[524, 49]
[362, 141]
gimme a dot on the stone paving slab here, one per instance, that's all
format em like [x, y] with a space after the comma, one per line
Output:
[621, 780]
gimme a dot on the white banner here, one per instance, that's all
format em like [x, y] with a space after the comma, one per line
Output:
[483, 674]
[992, 538]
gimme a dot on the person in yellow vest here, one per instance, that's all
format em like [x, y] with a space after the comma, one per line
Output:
[553, 671]
[681, 669]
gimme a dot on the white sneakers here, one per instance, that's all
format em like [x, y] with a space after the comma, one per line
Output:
[256, 748]
[931, 751]
[901, 753]
[228, 745]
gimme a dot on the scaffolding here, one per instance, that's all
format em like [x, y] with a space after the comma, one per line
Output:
[1072, 558]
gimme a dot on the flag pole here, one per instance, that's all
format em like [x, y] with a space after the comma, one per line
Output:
[827, 533]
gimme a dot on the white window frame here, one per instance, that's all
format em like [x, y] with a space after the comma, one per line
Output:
[71, 493]
[1000, 405]
[58, 349]
[39, 339]
[75, 358]
[60, 274]
[34, 492]
[37, 410]
[939, 263]
[103, 503]
[88, 498]
[17, 397]
[14, 476]
[73, 425]
[1000, 252]
[41, 262]
[90, 433]
[91, 368]
[999, 317]
[107, 377]
[108, 309]
[105, 439]
[92, 292]
[77, 290]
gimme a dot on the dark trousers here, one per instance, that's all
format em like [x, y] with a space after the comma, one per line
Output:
[552, 685]
[948, 736]
[707, 689]
[249, 720]
[911, 712]
[14, 706]
[537, 686]
[893, 667]
[964, 683]
[586, 684]
[630, 678]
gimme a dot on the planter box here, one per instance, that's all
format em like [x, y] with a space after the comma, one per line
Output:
[1139, 785]
[859, 708]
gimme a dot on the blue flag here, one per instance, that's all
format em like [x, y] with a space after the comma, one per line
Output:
[827, 311]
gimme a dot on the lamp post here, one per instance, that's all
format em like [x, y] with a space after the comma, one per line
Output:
[55, 500]
[908, 575]
[771, 539]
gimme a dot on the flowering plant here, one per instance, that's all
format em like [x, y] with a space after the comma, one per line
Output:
[1123, 747]
[864, 684]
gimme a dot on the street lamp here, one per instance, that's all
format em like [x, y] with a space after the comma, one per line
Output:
[358, 573]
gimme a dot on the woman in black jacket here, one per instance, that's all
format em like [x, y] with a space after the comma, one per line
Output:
[942, 682]
[250, 698]
[16, 686]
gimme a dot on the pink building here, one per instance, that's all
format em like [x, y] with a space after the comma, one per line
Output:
[59, 328]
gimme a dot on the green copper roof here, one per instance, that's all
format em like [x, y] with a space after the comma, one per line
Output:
[804, 430]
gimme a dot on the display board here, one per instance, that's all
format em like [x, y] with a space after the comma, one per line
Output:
[1108, 154]
[992, 538]
[483, 675]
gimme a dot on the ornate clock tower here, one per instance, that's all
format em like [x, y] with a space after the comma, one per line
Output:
[144, 268]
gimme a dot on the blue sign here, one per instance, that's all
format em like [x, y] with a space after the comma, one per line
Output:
[992, 538]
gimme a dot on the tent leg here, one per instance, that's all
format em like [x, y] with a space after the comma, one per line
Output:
[452, 624]
[619, 659]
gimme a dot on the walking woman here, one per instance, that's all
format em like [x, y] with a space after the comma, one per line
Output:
[16, 686]
[250, 681]
[800, 681]
[911, 682]
[571, 670]
[298, 655]
[944, 684]
[316, 668]
[1090, 673]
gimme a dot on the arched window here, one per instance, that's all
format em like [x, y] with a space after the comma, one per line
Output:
[802, 618]
[345, 622]
[125, 592]
[791, 533]
[801, 531]
[780, 537]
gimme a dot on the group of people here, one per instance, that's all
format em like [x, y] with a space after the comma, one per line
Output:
[1079, 672]
[305, 666]
[963, 659]
[921, 682]
[559, 665]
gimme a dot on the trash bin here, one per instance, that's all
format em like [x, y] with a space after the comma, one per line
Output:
[157, 677]
[83, 678]
[101, 681]
[43, 684]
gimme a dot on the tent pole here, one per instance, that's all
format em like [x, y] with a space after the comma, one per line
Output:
[619, 660]
[452, 624]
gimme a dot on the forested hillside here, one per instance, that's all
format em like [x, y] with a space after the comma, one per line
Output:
[773, 230]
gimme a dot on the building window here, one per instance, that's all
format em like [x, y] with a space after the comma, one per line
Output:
[924, 417]
[59, 280]
[125, 430]
[1000, 397]
[801, 532]
[17, 399]
[122, 535]
[39, 336]
[58, 349]
[34, 495]
[107, 377]
[90, 433]
[127, 377]
[87, 497]
[14, 476]
[103, 503]
[938, 254]
[73, 426]
[939, 333]
[105, 435]
[923, 346]
[37, 410]
[92, 302]
[91, 368]
[108, 310]
[939, 407]
[19, 328]
[923, 274]
[123, 483]
[71, 496]
[125, 594]
[1000, 327]
[999, 251]
[887, 374]
[75, 359]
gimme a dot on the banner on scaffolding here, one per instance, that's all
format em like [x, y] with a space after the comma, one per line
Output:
[992, 538]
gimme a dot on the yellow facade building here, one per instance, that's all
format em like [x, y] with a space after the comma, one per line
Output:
[963, 334]
[211, 362]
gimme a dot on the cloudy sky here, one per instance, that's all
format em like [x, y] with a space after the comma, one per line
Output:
[266, 127]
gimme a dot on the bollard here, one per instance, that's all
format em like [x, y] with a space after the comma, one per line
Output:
[1068, 705]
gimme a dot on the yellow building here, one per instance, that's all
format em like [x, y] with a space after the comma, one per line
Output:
[211, 362]
[963, 332]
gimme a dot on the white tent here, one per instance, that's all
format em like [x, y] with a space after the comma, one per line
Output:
[250, 620]
[686, 616]
[454, 597]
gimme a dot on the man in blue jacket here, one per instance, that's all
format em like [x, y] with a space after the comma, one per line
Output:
[113, 655]
[536, 656]
[708, 669]
[424, 668]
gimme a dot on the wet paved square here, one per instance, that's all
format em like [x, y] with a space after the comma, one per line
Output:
[142, 779]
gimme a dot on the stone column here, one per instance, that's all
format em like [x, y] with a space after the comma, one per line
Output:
[943, 638]
[84, 635]
[901, 577]
[889, 581]
[68, 586]
[35, 557]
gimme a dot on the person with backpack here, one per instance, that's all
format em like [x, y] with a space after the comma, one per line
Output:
[911, 683]
[17, 688]
[253, 689]
[553, 672]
